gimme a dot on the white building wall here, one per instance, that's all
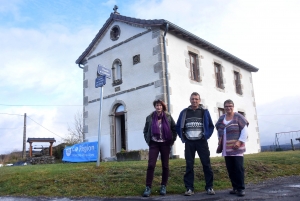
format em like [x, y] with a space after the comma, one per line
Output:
[127, 31]
[138, 103]
[211, 97]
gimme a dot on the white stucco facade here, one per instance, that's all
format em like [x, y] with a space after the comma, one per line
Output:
[144, 82]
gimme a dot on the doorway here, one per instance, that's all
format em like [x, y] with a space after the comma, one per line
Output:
[120, 133]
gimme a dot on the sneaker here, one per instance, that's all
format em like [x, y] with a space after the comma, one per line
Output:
[163, 190]
[210, 191]
[189, 192]
[147, 192]
[233, 191]
[240, 193]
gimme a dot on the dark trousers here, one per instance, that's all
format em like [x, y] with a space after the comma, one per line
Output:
[164, 149]
[201, 146]
[235, 168]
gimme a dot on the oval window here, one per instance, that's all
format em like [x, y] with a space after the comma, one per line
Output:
[115, 33]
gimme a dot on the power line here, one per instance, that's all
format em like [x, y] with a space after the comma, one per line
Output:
[13, 114]
[10, 128]
[42, 105]
[275, 114]
[275, 123]
[45, 128]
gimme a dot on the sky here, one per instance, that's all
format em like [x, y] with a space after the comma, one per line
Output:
[40, 41]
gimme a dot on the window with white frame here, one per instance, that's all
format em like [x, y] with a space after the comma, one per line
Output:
[237, 81]
[194, 67]
[117, 72]
[242, 113]
[221, 111]
[219, 76]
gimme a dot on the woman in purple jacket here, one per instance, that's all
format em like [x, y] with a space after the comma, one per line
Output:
[160, 134]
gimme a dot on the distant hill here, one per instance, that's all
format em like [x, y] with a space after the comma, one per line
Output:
[282, 147]
[282, 115]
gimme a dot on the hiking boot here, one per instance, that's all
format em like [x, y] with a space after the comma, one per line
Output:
[163, 190]
[147, 192]
[233, 191]
[210, 191]
[189, 192]
[240, 193]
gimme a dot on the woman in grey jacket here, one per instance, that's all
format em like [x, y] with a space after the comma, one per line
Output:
[160, 134]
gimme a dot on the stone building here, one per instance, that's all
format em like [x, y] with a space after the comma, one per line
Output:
[136, 51]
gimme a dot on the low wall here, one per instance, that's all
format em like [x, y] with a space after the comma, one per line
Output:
[41, 160]
[133, 155]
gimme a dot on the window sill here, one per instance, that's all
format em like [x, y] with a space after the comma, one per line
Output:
[195, 82]
[220, 89]
[117, 82]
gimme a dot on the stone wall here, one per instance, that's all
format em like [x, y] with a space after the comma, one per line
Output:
[41, 160]
[133, 155]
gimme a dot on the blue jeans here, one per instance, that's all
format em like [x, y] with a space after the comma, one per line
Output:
[235, 168]
[201, 146]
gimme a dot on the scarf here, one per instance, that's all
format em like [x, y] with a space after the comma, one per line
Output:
[165, 127]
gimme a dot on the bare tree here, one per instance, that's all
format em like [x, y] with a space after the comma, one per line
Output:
[2, 156]
[75, 132]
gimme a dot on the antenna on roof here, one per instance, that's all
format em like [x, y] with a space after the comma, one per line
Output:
[115, 10]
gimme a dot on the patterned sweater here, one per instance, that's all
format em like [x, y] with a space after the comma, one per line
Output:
[233, 131]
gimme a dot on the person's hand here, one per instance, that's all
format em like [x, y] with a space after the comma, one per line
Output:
[219, 142]
[237, 144]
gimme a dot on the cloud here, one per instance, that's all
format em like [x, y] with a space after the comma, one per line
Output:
[279, 116]
[255, 31]
[39, 50]
[40, 69]
[41, 122]
[194, 15]
[110, 3]
[10, 7]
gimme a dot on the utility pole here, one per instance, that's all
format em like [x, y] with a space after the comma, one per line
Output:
[24, 138]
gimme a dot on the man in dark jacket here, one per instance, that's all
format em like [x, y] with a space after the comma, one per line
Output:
[194, 127]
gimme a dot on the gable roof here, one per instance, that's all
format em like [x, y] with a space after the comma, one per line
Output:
[174, 29]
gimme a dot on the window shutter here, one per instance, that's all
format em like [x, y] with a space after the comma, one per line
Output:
[239, 85]
[191, 66]
[197, 67]
[221, 78]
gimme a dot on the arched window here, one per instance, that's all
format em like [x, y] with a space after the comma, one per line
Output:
[120, 108]
[117, 72]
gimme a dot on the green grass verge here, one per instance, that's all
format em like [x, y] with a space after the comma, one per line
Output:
[128, 178]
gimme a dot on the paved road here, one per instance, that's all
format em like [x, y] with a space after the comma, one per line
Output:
[282, 188]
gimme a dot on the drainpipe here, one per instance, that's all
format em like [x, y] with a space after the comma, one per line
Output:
[167, 78]
[80, 66]
[166, 64]
[83, 134]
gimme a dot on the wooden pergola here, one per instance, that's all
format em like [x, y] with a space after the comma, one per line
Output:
[50, 140]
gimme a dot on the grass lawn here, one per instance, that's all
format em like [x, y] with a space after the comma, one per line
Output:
[128, 178]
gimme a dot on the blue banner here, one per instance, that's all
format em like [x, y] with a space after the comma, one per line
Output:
[83, 152]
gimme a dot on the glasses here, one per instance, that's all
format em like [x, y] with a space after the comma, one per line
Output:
[228, 106]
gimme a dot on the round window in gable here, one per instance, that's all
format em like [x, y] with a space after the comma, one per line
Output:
[115, 33]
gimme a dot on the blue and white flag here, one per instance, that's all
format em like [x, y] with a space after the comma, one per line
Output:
[82, 152]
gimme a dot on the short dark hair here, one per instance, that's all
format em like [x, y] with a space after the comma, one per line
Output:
[228, 101]
[158, 101]
[195, 94]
